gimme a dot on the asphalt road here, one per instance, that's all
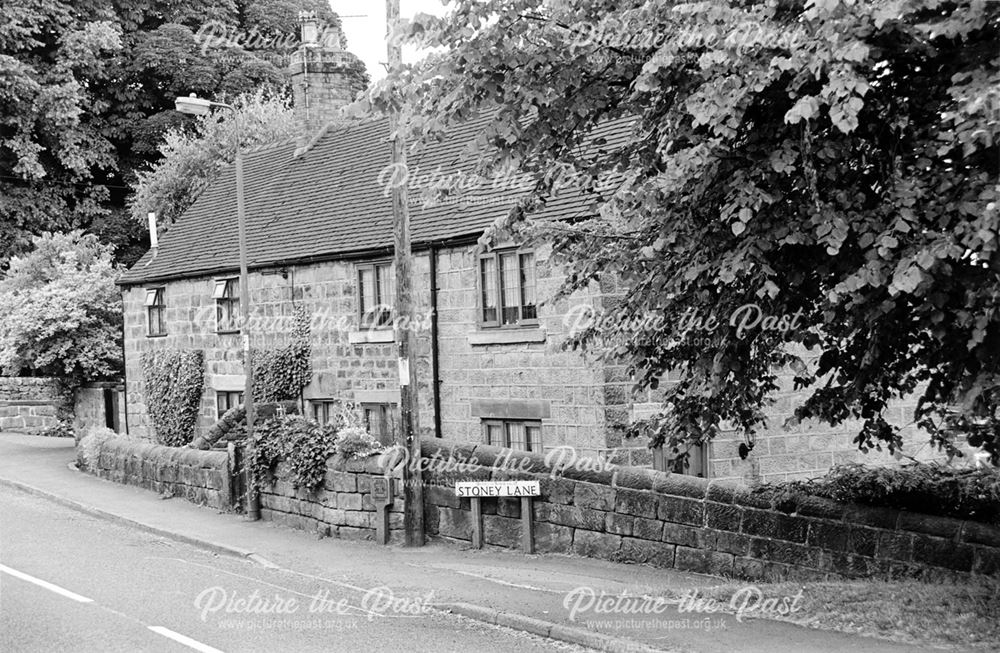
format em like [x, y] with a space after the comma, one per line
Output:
[71, 582]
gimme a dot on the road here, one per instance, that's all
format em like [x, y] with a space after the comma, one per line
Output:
[71, 582]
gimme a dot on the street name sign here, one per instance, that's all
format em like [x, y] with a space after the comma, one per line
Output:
[490, 489]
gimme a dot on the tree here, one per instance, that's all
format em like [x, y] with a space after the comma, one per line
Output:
[831, 162]
[190, 159]
[62, 311]
[87, 91]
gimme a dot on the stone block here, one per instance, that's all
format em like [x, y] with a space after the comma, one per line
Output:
[636, 503]
[703, 561]
[595, 497]
[364, 482]
[591, 520]
[647, 529]
[872, 516]
[682, 511]
[552, 538]
[765, 523]
[785, 552]
[893, 545]
[340, 481]
[976, 533]
[596, 545]
[863, 541]
[618, 524]
[509, 507]
[689, 536]
[947, 527]
[349, 501]
[680, 485]
[941, 552]
[455, 523]
[658, 554]
[502, 531]
[722, 517]
[352, 533]
[357, 519]
[986, 561]
[729, 542]
[441, 496]
[827, 535]
[558, 490]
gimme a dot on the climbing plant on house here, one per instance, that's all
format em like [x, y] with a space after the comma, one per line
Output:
[280, 374]
[173, 382]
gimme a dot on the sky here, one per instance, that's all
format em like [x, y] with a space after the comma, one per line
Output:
[364, 26]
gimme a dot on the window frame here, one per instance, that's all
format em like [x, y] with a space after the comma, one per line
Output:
[503, 424]
[388, 416]
[222, 300]
[228, 396]
[161, 310]
[497, 284]
[374, 322]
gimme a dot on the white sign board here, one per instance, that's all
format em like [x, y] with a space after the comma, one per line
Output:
[486, 489]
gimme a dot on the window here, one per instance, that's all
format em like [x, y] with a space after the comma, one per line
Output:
[156, 309]
[507, 289]
[324, 411]
[381, 420]
[375, 295]
[227, 305]
[513, 434]
[227, 400]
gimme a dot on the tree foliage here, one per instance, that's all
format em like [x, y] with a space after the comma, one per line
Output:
[61, 311]
[87, 90]
[190, 159]
[833, 160]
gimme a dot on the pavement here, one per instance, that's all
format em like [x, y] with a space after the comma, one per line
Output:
[579, 601]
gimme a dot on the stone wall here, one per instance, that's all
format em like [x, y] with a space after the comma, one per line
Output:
[341, 507]
[203, 477]
[690, 524]
[29, 405]
[90, 409]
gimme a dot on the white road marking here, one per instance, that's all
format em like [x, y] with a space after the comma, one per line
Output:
[49, 586]
[181, 639]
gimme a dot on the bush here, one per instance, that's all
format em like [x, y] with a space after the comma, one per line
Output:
[356, 442]
[927, 488]
[302, 443]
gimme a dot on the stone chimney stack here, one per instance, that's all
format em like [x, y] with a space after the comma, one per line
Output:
[324, 76]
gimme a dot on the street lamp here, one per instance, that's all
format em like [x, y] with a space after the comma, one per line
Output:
[197, 106]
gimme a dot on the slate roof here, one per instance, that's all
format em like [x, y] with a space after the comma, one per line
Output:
[329, 202]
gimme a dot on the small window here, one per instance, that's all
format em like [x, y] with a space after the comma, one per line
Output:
[324, 412]
[156, 310]
[513, 434]
[375, 290]
[381, 420]
[507, 289]
[227, 305]
[226, 401]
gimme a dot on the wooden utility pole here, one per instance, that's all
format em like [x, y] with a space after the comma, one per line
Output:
[409, 434]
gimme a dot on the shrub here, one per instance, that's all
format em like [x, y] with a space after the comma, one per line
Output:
[356, 442]
[970, 493]
[302, 443]
[173, 381]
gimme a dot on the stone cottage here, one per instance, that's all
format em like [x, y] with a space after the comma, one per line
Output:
[491, 367]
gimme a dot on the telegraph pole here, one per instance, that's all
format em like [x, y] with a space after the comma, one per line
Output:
[408, 435]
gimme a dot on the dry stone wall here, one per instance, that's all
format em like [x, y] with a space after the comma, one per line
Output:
[28, 405]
